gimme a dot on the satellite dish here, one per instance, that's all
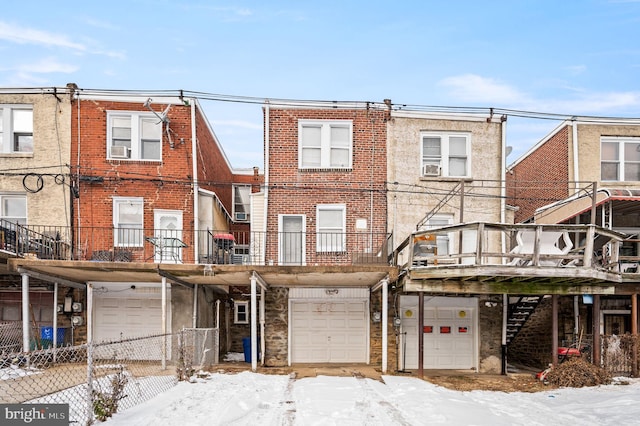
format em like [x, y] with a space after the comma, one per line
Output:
[509, 149]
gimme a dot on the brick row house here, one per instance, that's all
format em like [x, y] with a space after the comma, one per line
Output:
[147, 201]
[376, 233]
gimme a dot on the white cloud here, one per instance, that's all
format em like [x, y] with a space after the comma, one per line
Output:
[25, 35]
[46, 65]
[576, 69]
[475, 88]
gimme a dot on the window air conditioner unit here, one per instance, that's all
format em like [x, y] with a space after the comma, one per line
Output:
[431, 170]
[119, 151]
[240, 216]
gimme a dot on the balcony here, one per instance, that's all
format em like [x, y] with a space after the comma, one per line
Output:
[501, 258]
[187, 246]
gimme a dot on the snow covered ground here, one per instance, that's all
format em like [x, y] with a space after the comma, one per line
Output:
[256, 399]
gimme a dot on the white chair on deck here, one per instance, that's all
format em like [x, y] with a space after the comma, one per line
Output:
[551, 242]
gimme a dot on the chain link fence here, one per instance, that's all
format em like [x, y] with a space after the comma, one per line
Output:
[100, 379]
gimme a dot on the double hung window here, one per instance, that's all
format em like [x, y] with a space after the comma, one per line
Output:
[128, 222]
[16, 129]
[331, 228]
[445, 154]
[620, 159]
[325, 144]
[134, 136]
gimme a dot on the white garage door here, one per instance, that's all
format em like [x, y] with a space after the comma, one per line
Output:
[449, 332]
[123, 313]
[329, 330]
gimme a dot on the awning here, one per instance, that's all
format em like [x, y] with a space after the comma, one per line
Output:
[224, 237]
[563, 210]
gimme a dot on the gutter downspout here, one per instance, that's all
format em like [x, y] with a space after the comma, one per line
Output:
[576, 172]
[266, 178]
[254, 325]
[196, 189]
[385, 323]
[194, 320]
[25, 314]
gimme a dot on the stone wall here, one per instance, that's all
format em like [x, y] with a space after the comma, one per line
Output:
[490, 339]
[276, 327]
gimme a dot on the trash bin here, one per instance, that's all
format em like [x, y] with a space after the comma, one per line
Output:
[46, 336]
[246, 345]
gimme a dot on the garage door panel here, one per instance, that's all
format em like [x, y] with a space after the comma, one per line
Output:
[329, 331]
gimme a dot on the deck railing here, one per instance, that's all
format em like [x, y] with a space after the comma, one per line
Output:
[208, 246]
[518, 245]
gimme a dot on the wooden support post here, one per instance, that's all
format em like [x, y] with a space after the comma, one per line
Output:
[596, 331]
[554, 329]
[634, 333]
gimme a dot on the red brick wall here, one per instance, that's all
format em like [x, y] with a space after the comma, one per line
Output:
[295, 191]
[541, 178]
[163, 185]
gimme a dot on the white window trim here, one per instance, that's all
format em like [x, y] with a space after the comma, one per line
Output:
[320, 247]
[325, 142]
[248, 205]
[441, 239]
[9, 218]
[620, 140]
[7, 127]
[236, 304]
[116, 207]
[444, 153]
[136, 139]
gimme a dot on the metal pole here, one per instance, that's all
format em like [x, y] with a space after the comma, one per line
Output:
[164, 322]
[25, 314]
[505, 319]
[421, 334]
[596, 330]
[55, 320]
[634, 333]
[385, 324]
[254, 326]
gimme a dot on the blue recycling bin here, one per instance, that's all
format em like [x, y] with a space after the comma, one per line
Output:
[46, 336]
[246, 345]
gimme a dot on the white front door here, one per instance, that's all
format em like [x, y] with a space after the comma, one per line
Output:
[168, 236]
[291, 240]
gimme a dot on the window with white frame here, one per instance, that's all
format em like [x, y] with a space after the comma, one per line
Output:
[13, 208]
[128, 221]
[241, 202]
[241, 312]
[620, 159]
[133, 136]
[325, 144]
[442, 239]
[331, 228]
[16, 128]
[445, 154]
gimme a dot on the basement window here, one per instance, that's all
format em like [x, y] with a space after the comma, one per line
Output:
[241, 312]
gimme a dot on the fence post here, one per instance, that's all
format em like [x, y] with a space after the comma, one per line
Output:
[89, 383]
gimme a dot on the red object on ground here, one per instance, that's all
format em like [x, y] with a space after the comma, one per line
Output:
[569, 352]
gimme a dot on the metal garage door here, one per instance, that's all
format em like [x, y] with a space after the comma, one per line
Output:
[331, 330]
[120, 312]
[450, 332]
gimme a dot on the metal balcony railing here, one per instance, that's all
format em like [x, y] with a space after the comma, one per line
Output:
[208, 246]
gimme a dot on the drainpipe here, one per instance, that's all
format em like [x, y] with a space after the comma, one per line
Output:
[576, 172]
[267, 141]
[262, 323]
[503, 219]
[505, 318]
[196, 192]
[25, 313]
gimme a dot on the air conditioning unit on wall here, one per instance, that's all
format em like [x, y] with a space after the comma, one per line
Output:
[240, 216]
[431, 170]
[119, 151]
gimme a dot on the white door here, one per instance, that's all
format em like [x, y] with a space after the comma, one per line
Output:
[329, 331]
[120, 313]
[450, 332]
[291, 238]
[168, 242]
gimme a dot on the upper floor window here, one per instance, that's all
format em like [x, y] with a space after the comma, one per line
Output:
[620, 159]
[241, 202]
[134, 135]
[128, 221]
[325, 144]
[16, 129]
[331, 227]
[445, 154]
[13, 208]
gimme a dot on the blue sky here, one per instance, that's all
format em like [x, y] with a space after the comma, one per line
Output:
[564, 57]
